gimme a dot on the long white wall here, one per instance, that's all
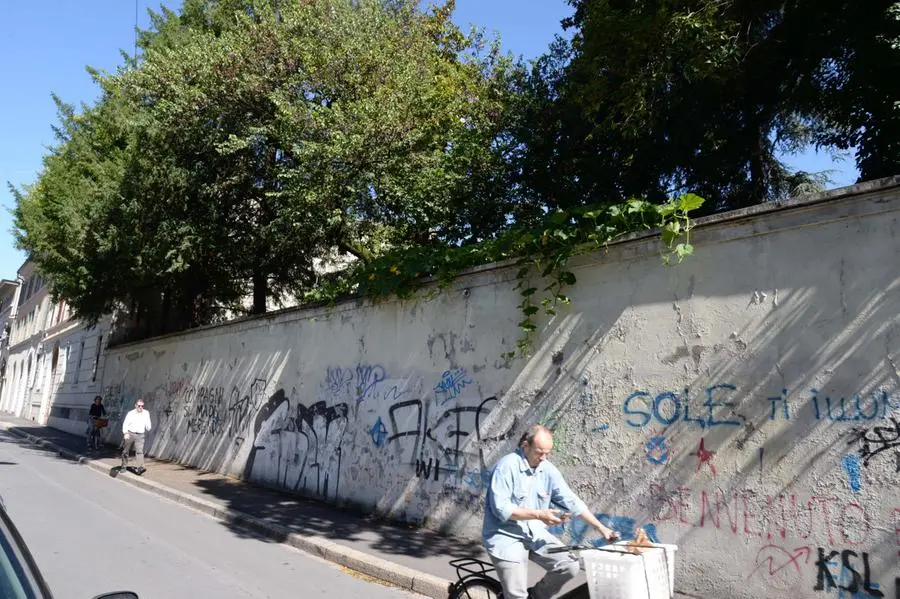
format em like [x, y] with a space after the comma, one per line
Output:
[743, 405]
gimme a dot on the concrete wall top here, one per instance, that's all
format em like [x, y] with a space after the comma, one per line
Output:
[861, 198]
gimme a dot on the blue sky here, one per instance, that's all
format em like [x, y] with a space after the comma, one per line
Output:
[44, 48]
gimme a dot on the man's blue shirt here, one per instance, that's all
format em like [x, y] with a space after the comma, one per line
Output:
[515, 484]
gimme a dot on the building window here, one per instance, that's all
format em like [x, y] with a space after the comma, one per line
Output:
[97, 357]
[78, 363]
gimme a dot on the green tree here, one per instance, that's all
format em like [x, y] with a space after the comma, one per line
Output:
[700, 95]
[254, 138]
[850, 80]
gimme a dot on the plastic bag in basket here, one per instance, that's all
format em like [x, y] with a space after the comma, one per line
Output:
[640, 543]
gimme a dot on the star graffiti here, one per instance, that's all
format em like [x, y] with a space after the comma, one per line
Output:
[705, 457]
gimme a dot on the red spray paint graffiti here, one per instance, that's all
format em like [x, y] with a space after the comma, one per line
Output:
[820, 519]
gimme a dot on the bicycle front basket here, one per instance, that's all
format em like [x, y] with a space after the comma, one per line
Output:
[625, 575]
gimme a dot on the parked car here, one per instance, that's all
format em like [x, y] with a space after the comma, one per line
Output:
[20, 577]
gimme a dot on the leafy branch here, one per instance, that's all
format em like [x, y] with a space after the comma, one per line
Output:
[543, 250]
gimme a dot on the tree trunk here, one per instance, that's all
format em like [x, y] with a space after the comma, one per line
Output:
[260, 291]
[165, 318]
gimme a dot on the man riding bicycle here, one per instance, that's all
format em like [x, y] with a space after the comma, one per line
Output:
[97, 412]
[517, 515]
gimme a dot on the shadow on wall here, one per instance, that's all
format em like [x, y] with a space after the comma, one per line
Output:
[777, 434]
[721, 401]
[197, 424]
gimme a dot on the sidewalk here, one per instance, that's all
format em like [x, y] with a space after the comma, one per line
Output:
[412, 558]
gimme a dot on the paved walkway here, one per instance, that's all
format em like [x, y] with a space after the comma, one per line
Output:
[413, 558]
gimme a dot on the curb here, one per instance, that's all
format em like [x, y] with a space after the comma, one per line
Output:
[387, 571]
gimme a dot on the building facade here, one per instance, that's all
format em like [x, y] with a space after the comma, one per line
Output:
[26, 354]
[9, 299]
[74, 372]
[54, 363]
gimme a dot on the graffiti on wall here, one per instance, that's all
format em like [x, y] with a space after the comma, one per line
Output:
[855, 573]
[826, 519]
[435, 435]
[850, 464]
[298, 446]
[879, 439]
[451, 439]
[577, 530]
[243, 405]
[118, 400]
[705, 457]
[716, 406]
[779, 567]
[451, 385]
[876, 405]
[657, 450]
[362, 382]
[206, 410]
[298, 442]
[668, 407]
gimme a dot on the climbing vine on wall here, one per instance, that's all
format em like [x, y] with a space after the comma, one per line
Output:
[541, 253]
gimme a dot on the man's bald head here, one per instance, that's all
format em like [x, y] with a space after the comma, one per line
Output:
[536, 444]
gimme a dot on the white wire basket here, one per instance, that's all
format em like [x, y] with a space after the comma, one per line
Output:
[615, 573]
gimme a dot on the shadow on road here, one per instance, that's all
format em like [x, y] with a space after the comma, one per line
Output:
[73, 443]
[290, 512]
[309, 517]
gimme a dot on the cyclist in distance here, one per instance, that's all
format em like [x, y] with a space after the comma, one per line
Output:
[97, 411]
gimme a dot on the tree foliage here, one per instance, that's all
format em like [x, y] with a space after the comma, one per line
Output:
[650, 98]
[256, 138]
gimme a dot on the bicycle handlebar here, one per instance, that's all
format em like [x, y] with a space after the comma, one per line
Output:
[609, 548]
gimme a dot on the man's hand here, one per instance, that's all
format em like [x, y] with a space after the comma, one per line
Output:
[548, 517]
[610, 535]
[127, 436]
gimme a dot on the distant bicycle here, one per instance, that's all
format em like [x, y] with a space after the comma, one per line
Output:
[95, 434]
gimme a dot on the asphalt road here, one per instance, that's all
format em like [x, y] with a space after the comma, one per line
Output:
[91, 533]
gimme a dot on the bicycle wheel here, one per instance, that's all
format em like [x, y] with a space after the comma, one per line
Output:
[477, 588]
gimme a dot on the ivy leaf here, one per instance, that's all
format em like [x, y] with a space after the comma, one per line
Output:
[634, 206]
[567, 277]
[530, 310]
[670, 233]
[528, 326]
[684, 249]
[559, 218]
[529, 292]
[689, 201]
